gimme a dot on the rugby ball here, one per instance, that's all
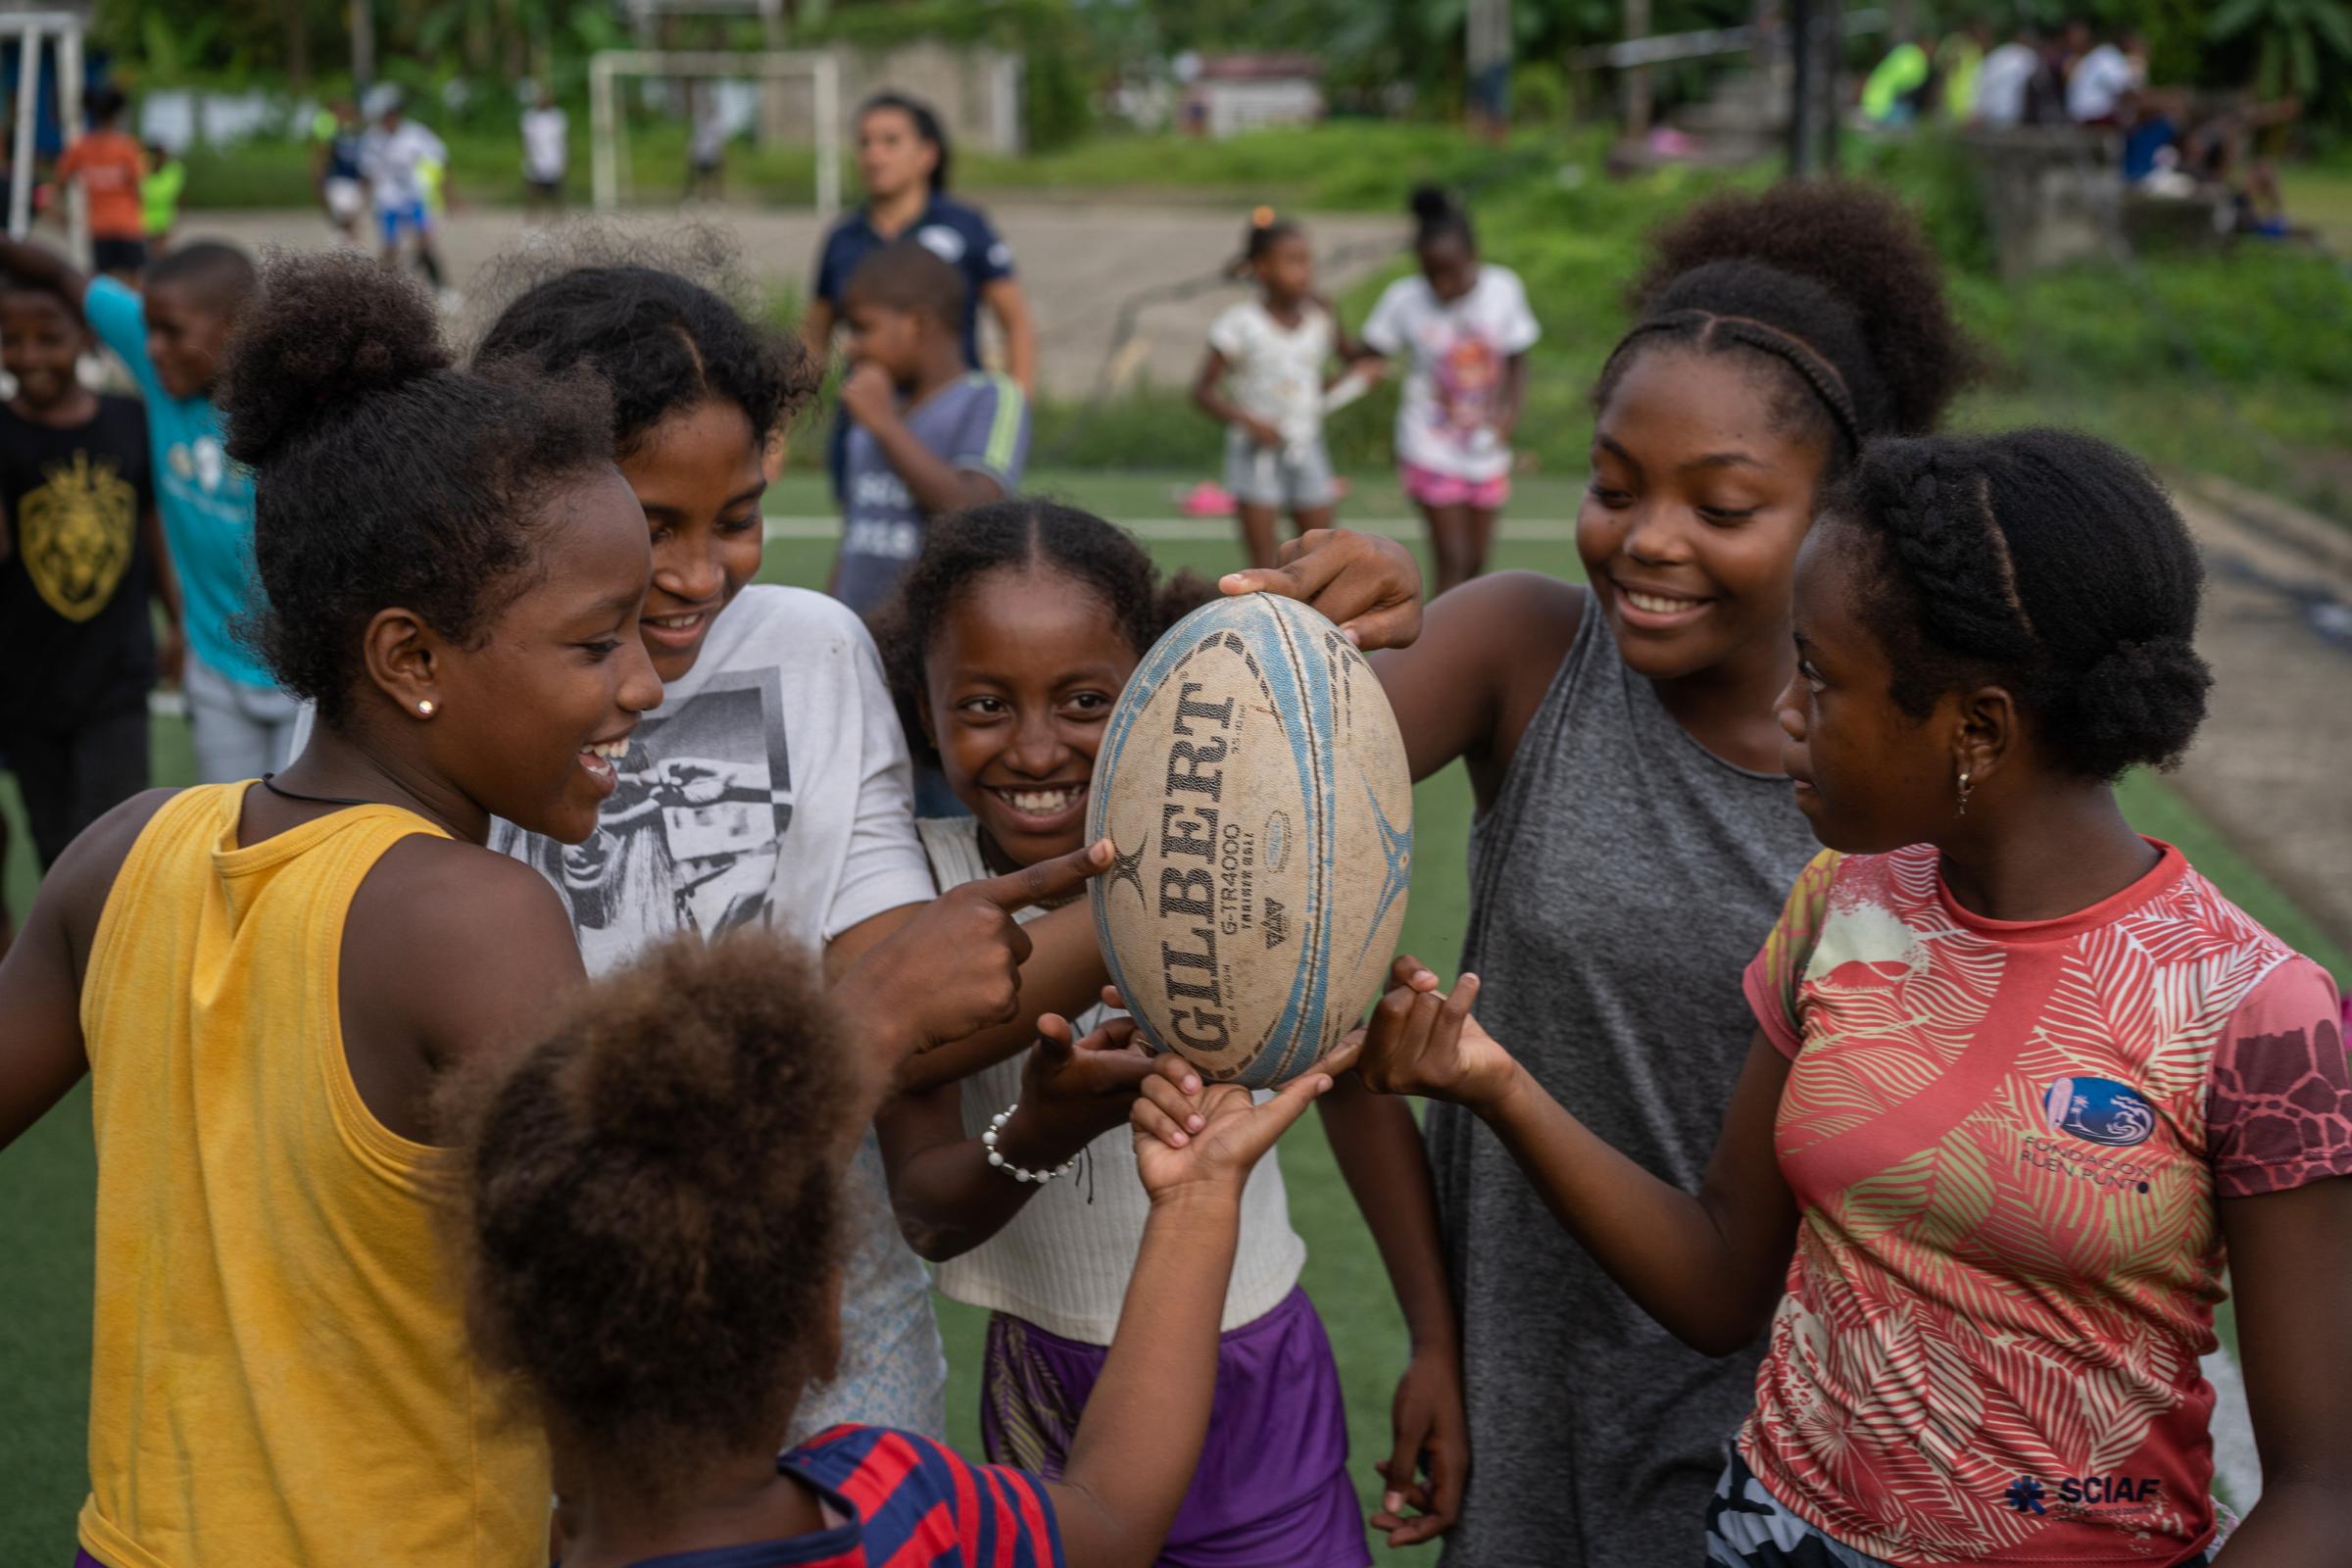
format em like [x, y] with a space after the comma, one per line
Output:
[1256, 792]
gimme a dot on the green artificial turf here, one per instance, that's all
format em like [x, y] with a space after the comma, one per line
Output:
[46, 1179]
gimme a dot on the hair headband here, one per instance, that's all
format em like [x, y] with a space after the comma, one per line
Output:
[1828, 382]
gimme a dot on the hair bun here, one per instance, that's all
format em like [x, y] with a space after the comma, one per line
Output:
[1861, 246]
[1429, 203]
[2146, 698]
[330, 329]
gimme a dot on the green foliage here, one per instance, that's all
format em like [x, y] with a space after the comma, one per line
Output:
[2238, 361]
[1933, 172]
[2292, 35]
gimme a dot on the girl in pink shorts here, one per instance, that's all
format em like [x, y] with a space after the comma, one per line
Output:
[1463, 328]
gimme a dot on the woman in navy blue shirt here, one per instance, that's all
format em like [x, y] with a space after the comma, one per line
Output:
[902, 160]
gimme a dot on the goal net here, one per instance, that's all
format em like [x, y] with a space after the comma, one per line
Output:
[607, 125]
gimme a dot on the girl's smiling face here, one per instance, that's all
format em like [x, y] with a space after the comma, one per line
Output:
[1019, 679]
[700, 478]
[1701, 493]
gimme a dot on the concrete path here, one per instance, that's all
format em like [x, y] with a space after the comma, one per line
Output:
[2272, 764]
[1081, 264]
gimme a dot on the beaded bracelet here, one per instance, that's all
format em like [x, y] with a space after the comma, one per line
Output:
[988, 1140]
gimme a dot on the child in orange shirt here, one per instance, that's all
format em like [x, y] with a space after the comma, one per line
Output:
[110, 164]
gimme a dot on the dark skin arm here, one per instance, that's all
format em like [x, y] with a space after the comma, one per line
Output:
[1004, 300]
[499, 947]
[171, 648]
[816, 330]
[1711, 1266]
[948, 1198]
[1063, 976]
[2290, 1268]
[935, 973]
[1467, 673]
[937, 485]
[1139, 1441]
[1379, 1150]
[42, 1055]
[1514, 399]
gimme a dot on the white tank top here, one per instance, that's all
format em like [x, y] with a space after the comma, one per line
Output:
[1063, 1261]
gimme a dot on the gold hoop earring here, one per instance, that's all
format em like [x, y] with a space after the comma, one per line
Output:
[1963, 788]
[425, 708]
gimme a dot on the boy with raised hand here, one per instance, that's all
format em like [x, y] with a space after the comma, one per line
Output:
[79, 559]
[931, 436]
[171, 339]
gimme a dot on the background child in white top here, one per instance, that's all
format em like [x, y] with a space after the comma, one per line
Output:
[1262, 378]
[1006, 649]
[1464, 327]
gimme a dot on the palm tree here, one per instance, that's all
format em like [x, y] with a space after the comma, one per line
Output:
[2293, 34]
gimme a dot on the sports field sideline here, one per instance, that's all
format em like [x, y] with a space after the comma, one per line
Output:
[46, 1179]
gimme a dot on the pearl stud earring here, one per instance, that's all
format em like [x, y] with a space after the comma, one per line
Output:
[425, 708]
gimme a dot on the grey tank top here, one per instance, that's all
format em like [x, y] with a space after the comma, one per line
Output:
[1619, 887]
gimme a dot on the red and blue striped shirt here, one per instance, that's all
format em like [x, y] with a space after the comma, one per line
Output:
[904, 1501]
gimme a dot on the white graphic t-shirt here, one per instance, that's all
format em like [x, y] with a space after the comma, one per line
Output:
[1276, 371]
[1458, 355]
[771, 788]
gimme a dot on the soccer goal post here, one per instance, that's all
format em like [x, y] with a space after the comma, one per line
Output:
[608, 135]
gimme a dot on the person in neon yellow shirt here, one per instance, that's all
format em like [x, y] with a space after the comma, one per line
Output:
[160, 191]
[1889, 92]
[1958, 60]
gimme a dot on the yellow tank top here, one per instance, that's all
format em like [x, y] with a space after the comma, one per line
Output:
[280, 1375]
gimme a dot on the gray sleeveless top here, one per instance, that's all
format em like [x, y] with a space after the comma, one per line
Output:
[1619, 887]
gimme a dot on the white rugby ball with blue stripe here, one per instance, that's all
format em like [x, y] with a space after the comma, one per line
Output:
[1256, 792]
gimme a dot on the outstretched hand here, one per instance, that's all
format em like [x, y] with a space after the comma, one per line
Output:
[1423, 1041]
[1369, 585]
[1073, 1091]
[955, 968]
[1203, 1138]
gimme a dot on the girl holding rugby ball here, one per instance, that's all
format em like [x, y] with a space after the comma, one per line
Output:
[1635, 831]
[1012, 636]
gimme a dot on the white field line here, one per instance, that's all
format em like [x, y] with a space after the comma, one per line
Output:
[1533, 530]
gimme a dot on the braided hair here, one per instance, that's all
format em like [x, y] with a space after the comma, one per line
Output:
[2045, 560]
[1101, 557]
[1830, 285]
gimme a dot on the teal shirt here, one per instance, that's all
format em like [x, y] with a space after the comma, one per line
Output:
[204, 500]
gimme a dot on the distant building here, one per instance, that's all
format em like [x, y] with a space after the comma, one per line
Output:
[1233, 93]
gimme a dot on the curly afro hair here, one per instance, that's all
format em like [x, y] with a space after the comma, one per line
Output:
[648, 1200]
[2045, 560]
[670, 325]
[1100, 558]
[383, 474]
[1830, 283]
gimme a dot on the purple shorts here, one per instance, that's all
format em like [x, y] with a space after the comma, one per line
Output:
[1272, 1486]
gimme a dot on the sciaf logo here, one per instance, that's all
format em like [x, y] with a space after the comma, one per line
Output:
[2099, 1111]
[2102, 1496]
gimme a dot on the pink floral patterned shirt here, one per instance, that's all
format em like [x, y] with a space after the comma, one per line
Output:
[2006, 1139]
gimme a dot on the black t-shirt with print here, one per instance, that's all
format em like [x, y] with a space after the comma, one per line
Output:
[76, 641]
